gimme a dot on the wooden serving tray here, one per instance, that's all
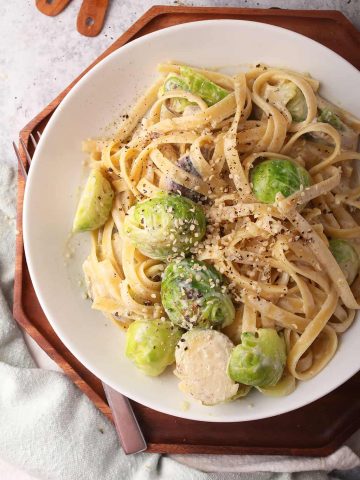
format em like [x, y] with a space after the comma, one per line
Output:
[317, 429]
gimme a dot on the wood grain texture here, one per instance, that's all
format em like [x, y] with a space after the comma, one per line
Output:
[317, 429]
[51, 7]
[91, 17]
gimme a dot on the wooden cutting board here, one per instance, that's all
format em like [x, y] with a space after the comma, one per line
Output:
[317, 429]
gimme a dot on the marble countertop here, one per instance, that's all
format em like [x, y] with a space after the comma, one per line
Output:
[40, 55]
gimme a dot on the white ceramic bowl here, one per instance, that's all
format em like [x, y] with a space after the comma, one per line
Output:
[56, 173]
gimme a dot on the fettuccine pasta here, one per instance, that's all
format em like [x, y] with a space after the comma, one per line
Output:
[272, 167]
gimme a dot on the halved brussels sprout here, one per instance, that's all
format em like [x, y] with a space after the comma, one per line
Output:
[203, 87]
[176, 105]
[192, 295]
[165, 226]
[347, 258]
[150, 344]
[95, 203]
[277, 175]
[349, 138]
[193, 82]
[297, 106]
[201, 360]
[289, 95]
[259, 359]
[283, 92]
[175, 83]
[327, 116]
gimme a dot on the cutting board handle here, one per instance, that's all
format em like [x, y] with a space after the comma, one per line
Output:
[91, 17]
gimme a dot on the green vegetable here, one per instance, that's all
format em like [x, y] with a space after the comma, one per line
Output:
[349, 137]
[259, 359]
[277, 175]
[176, 105]
[283, 92]
[150, 344]
[297, 106]
[287, 94]
[193, 295]
[165, 225]
[95, 203]
[193, 82]
[174, 83]
[327, 116]
[347, 258]
[201, 86]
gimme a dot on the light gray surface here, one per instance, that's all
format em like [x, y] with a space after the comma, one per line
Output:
[39, 56]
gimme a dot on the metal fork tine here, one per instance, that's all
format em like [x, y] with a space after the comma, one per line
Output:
[34, 142]
[28, 157]
[21, 165]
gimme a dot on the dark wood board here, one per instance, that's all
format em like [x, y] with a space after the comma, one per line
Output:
[317, 429]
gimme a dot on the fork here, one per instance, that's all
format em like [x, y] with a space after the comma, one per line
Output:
[126, 424]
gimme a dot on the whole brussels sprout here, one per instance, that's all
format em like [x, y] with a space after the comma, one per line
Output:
[192, 295]
[165, 225]
[150, 344]
[259, 359]
[347, 258]
[95, 203]
[277, 175]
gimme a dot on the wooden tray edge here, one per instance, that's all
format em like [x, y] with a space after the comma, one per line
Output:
[22, 318]
[18, 311]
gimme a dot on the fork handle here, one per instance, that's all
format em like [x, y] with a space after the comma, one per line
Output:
[51, 8]
[126, 424]
[91, 17]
